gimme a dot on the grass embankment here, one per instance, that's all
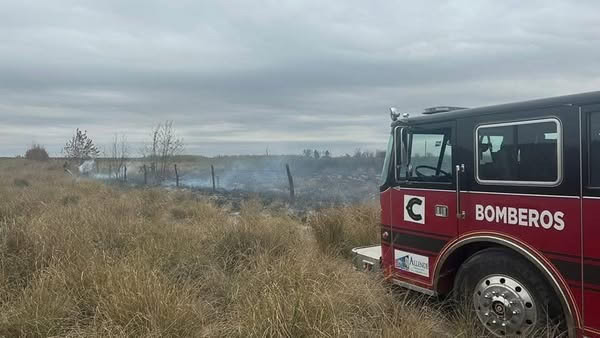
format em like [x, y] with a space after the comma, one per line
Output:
[87, 259]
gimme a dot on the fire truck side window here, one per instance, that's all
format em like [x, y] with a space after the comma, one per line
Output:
[594, 155]
[522, 152]
[430, 156]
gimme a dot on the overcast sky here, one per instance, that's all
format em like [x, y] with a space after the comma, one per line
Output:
[241, 76]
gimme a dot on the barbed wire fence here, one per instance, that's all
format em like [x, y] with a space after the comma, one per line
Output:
[220, 179]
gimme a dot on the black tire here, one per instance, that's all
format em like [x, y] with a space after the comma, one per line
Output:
[498, 283]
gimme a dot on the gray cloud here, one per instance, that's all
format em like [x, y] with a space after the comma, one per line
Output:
[240, 76]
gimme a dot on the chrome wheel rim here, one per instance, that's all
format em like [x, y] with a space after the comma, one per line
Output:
[504, 306]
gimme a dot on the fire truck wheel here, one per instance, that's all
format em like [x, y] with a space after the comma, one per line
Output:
[509, 295]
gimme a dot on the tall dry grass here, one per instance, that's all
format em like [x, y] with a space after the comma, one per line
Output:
[338, 230]
[79, 258]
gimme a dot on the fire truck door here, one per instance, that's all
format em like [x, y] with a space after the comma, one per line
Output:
[424, 200]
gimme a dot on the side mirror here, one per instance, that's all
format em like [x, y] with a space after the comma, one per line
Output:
[394, 114]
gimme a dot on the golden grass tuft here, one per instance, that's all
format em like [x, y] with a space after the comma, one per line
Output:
[79, 258]
[338, 230]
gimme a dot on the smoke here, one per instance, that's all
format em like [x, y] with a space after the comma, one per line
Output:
[327, 179]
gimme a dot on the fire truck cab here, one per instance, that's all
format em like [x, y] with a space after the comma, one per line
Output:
[501, 205]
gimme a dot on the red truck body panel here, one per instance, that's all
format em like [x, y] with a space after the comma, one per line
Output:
[556, 226]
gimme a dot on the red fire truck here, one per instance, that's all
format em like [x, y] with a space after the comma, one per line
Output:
[501, 205]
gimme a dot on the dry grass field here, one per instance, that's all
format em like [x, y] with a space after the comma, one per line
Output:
[81, 258]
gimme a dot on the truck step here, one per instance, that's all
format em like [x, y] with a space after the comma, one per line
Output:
[367, 258]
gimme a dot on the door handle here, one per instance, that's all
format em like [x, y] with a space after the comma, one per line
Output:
[460, 214]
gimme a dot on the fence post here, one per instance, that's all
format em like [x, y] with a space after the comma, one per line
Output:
[145, 174]
[176, 176]
[291, 182]
[212, 173]
[125, 172]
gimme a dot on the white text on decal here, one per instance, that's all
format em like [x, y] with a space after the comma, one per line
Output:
[520, 216]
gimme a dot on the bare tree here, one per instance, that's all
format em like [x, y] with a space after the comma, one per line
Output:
[161, 152]
[80, 147]
[118, 155]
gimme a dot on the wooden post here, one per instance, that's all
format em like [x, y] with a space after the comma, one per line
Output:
[291, 182]
[124, 172]
[176, 176]
[145, 174]
[212, 173]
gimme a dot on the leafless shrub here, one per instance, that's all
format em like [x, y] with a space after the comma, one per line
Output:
[118, 156]
[162, 149]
